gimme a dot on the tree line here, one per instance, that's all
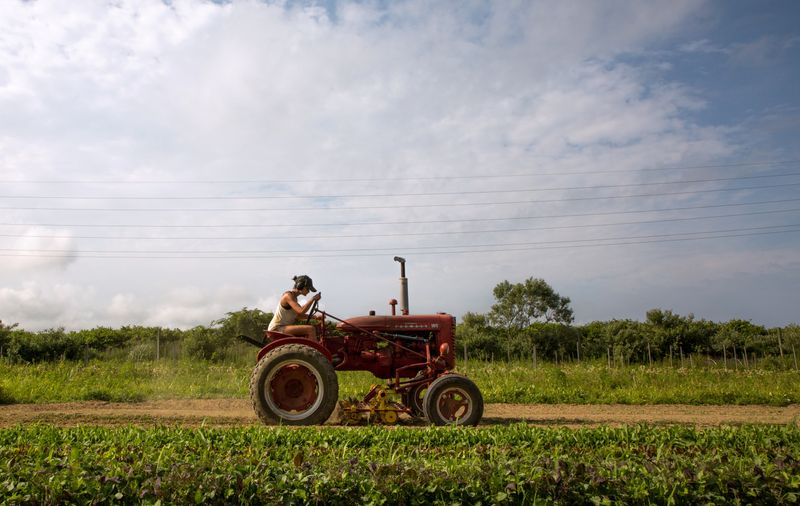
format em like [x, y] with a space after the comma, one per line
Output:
[663, 336]
[528, 320]
[216, 341]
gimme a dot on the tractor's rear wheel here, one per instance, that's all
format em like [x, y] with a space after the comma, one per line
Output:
[294, 384]
[453, 400]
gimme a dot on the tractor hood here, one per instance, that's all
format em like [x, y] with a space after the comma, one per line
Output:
[399, 323]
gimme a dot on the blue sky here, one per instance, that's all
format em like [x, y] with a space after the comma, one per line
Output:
[166, 163]
[742, 57]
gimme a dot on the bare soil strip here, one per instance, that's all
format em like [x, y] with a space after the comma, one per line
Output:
[239, 412]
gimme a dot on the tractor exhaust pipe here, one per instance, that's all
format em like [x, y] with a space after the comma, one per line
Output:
[403, 285]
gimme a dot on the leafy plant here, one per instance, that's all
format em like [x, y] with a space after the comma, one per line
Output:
[376, 465]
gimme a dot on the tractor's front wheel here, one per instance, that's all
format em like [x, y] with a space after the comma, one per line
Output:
[453, 399]
[413, 399]
[294, 384]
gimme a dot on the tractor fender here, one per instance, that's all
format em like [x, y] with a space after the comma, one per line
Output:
[295, 340]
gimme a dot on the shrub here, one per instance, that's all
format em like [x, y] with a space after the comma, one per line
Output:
[142, 352]
[50, 344]
[5, 398]
[204, 343]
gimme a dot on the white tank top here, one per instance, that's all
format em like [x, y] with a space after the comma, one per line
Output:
[282, 317]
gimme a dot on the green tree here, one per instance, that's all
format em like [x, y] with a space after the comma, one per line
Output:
[5, 337]
[521, 304]
[742, 334]
[476, 335]
[475, 320]
[248, 322]
[681, 332]
[205, 343]
[552, 340]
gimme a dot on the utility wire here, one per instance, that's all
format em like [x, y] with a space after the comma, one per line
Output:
[406, 248]
[470, 204]
[405, 222]
[420, 253]
[386, 195]
[395, 179]
[405, 234]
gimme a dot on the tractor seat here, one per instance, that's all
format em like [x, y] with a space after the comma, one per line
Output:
[273, 335]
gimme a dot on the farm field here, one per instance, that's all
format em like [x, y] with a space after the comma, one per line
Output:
[184, 432]
[517, 464]
[500, 382]
[239, 413]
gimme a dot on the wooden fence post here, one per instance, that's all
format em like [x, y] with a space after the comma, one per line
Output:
[725, 356]
[670, 355]
[735, 360]
[649, 355]
[158, 344]
[795, 357]
[578, 348]
[746, 362]
[534, 356]
[681, 348]
[780, 345]
[608, 351]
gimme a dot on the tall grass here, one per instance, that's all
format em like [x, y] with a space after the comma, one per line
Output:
[515, 382]
[595, 383]
[121, 380]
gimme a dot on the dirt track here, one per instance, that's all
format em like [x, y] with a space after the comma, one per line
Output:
[238, 412]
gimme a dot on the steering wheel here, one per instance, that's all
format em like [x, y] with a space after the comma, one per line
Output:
[311, 311]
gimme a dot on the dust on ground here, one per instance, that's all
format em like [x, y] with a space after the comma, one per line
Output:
[239, 412]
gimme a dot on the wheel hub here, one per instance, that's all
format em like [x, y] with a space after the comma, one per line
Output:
[294, 388]
[454, 405]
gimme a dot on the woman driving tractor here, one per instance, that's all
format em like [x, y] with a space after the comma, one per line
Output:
[289, 309]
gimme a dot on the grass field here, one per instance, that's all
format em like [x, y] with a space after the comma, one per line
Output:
[514, 464]
[515, 382]
[375, 465]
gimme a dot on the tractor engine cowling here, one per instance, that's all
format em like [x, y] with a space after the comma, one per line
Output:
[408, 337]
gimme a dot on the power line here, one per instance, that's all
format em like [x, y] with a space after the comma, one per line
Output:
[407, 206]
[420, 253]
[386, 195]
[406, 248]
[396, 179]
[405, 234]
[405, 222]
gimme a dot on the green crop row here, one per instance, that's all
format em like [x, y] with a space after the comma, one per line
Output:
[515, 382]
[377, 465]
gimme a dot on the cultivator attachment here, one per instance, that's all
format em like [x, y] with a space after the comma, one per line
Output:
[377, 407]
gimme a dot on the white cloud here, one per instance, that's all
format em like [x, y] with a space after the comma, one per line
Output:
[126, 308]
[757, 52]
[702, 46]
[189, 306]
[36, 305]
[251, 91]
[38, 248]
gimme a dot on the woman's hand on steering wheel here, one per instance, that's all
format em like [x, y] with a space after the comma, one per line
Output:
[313, 308]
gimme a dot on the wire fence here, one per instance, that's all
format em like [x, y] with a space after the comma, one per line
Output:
[783, 355]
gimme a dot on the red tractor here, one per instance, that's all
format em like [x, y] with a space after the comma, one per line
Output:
[295, 380]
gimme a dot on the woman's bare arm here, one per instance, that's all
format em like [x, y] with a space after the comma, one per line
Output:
[297, 307]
